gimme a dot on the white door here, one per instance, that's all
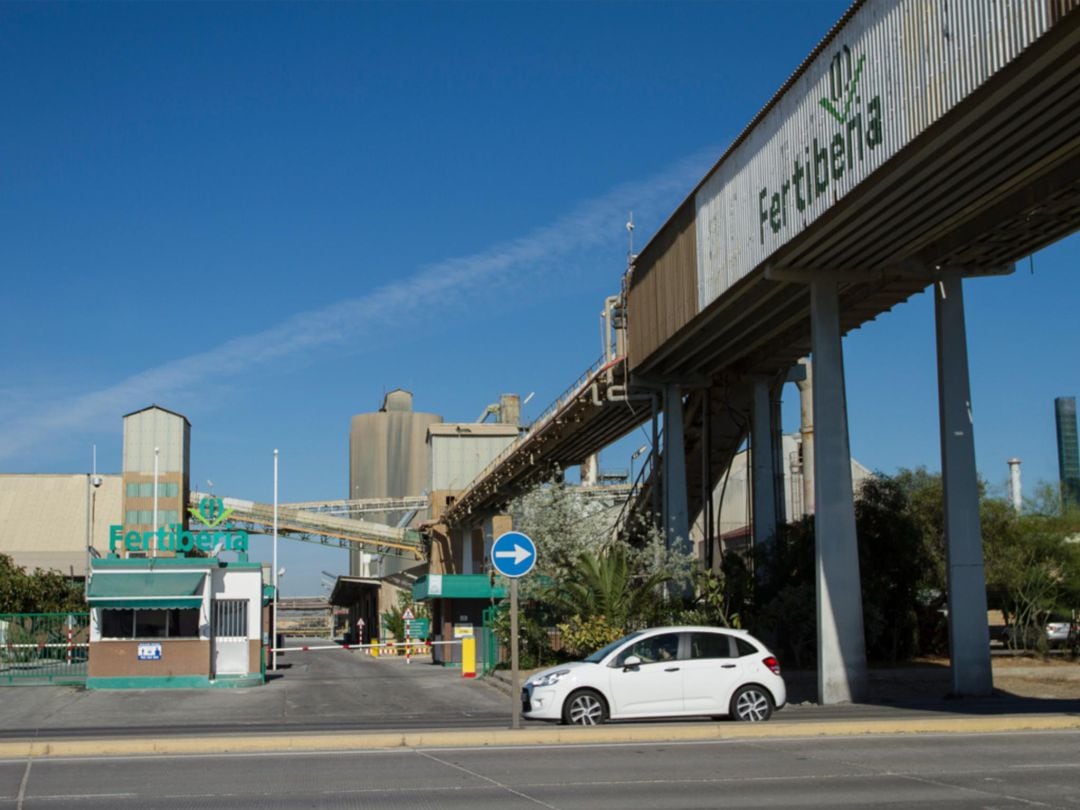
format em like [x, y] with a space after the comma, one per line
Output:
[655, 685]
[710, 672]
[229, 631]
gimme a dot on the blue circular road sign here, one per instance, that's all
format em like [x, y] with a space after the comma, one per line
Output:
[513, 554]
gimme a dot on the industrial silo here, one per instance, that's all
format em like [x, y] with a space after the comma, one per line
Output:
[388, 458]
[156, 475]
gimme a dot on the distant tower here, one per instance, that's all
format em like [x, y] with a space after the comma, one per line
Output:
[170, 433]
[388, 458]
[1014, 485]
[1068, 455]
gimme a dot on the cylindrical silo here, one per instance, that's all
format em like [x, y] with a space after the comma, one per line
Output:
[388, 457]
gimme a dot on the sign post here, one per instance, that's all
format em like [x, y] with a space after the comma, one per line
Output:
[408, 617]
[513, 555]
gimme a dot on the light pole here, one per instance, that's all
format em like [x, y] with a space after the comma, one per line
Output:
[273, 631]
[634, 457]
[157, 453]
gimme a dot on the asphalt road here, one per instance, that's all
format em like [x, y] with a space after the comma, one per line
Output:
[955, 771]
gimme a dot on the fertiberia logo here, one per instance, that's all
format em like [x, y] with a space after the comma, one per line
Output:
[828, 156]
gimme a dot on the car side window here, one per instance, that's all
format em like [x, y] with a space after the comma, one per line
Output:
[745, 647]
[654, 649]
[711, 645]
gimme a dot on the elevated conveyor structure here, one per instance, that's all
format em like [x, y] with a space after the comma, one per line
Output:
[594, 412]
[360, 506]
[978, 165]
[968, 160]
[322, 528]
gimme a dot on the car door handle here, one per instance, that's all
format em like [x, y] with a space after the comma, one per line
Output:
[727, 666]
[672, 669]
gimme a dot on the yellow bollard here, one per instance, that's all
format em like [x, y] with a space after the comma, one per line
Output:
[373, 650]
[468, 657]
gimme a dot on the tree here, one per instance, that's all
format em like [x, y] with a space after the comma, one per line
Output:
[607, 585]
[562, 525]
[1032, 563]
[585, 579]
[39, 592]
[894, 557]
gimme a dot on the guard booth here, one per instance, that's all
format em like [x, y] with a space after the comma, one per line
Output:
[166, 622]
[459, 606]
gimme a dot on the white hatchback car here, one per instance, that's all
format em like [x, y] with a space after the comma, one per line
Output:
[661, 672]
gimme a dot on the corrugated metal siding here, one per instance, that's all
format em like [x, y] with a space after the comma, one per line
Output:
[457, 460]
[890, 71]
[894, 69]
[150, 428]
[43, 519]
[663, 292]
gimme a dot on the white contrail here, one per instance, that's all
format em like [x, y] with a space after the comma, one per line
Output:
[592, 223]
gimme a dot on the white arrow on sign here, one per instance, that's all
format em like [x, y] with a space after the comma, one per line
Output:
[518, 554]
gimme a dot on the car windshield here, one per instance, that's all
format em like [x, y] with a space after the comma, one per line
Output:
[603, 652]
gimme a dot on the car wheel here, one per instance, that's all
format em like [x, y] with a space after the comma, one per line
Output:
[585, 707]
[751, 704]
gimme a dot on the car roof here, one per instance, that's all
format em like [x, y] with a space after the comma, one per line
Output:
[684, 628]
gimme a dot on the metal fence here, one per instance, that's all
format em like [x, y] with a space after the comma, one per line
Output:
[43, 648]
[488, 652]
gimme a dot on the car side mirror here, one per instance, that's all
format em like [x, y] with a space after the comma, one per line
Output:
[631, 662]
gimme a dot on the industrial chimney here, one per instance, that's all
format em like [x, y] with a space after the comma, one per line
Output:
[1014, 484]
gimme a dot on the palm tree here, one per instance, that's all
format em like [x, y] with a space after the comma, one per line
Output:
[605, 585]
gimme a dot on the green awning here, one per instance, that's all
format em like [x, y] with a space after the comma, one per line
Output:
[146, 590]
[456, 586]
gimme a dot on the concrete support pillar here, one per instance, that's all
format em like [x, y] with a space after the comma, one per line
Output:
[468, 543]
[776, 437]
[494, 528]
[676, 518]
[590, 471]
[841, 644]
[969, 647]
[763, 472]
[806, 430]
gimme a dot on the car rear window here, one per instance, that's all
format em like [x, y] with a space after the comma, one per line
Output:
[745, 647]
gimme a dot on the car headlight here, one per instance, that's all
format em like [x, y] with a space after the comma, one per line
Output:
[551, 678]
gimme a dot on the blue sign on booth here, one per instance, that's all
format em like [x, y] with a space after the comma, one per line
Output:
[513, 554]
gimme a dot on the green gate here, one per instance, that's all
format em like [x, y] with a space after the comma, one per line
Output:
[487, 645]
[43, 648]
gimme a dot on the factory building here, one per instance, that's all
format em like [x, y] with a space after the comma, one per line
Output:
[733, 498]
[156, 473]
[57, 521]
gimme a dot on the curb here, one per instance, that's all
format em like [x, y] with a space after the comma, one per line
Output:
[554, 735]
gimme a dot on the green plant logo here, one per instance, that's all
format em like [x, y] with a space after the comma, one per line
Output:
[210, 512]
[843, 84]
[830, 153]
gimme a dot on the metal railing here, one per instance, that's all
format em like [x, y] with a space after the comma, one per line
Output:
[43, 648]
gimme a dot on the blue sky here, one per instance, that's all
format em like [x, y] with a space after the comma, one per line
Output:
[265, 216]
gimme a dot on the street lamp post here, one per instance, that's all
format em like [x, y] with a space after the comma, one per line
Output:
[273, 639]
[157, 453]
[634, 457]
